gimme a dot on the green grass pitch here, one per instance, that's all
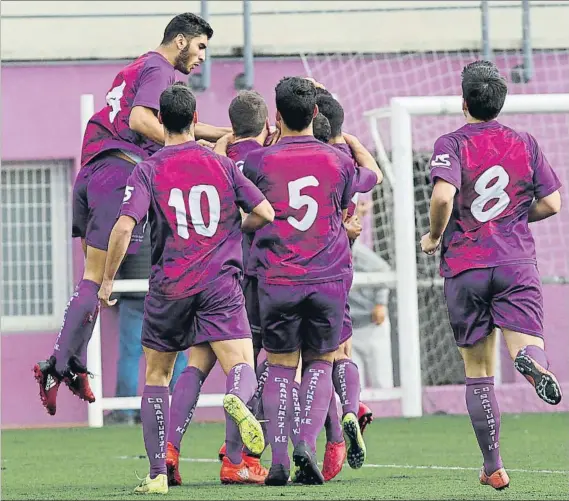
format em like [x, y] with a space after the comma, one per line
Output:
[434, 457]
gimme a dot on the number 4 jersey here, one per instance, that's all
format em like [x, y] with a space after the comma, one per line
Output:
[308, 183]
[192, 197]
[498, 172]
[138, 84]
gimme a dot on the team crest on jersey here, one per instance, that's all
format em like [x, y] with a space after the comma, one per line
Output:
[441, 160]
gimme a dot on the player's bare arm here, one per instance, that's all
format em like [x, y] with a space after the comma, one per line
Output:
[362, 156]
[145, 122]
[441, 208]
[118, 245]
[545, 207]
[260, 216]
[353, 227]
[222, 143]
[211, 132]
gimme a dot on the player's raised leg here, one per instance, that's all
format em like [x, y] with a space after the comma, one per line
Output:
[518, 311]
[98, 193]
[184, 401]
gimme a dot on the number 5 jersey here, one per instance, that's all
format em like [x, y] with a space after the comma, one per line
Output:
[497, 172]
[138, 84]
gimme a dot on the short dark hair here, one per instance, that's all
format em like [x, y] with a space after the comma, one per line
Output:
[484, 90]
[248, 114]
[321, 128]
[187, 24]
[321, 91]
[296, 100]
[333, 111]
[177, 108]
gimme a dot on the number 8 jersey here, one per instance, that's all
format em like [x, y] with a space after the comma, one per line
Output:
[192, 196]
[308, 183]
[498, 172]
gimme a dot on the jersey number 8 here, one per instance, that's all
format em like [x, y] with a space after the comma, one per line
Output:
[500, 179]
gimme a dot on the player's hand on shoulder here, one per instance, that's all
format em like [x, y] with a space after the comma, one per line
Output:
[351, 140]
[105, 292]
[207, 144]
[220, 147]
[429, 245]
[353, 227]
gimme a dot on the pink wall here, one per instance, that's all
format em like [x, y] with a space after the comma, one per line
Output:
[41, 120]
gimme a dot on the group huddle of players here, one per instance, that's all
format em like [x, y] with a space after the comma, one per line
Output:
[251, 228]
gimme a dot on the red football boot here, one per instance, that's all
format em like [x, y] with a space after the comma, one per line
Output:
[172, 466]
[365, 416]
[76, 377]
[334, 459]
[49, 381]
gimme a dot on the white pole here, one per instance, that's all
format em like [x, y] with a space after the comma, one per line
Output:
[94, 362]
[406, 261]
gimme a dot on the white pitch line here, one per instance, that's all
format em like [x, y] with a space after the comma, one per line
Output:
[393, 466]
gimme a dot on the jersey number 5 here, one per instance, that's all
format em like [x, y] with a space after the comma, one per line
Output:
[176, 201]
[297, 201]
[499, 178]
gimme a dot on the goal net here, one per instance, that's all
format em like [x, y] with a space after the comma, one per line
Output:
[365, 84]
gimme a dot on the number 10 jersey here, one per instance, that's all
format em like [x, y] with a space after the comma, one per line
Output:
[192, 196]
[498, 172]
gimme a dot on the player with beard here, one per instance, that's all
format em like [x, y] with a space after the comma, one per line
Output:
[124, 132]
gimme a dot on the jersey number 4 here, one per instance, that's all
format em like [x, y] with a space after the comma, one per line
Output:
[297, 201]
[490, 186]
[176, 201]
[113, 98]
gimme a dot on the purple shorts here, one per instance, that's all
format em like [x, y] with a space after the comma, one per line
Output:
[250, 291]
[214, 314]
[98, 193]
[347, 325]
[507, 296]
[308, 317]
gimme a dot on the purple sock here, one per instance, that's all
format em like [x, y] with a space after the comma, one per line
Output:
[78, 322]
[154, 412]
[184, 400]
[256, 402]
[241, 382]
[295, 417]
[276, 403]
[485, 417]
[346, 378]
[315, 390]
[333, 425]
[536, 353]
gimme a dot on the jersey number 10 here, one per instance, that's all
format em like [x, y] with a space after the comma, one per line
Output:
[176, 201]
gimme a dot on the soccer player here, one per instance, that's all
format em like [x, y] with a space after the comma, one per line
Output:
[490, 181]
[301, 262]
[118, 136]
[346, 373]
[192, 197]
[248, 114]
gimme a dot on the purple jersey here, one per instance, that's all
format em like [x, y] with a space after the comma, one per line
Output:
[192, 197]
[498, 172]
[138, 84]
[308, 184]
[237, 152]
[364, 179]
